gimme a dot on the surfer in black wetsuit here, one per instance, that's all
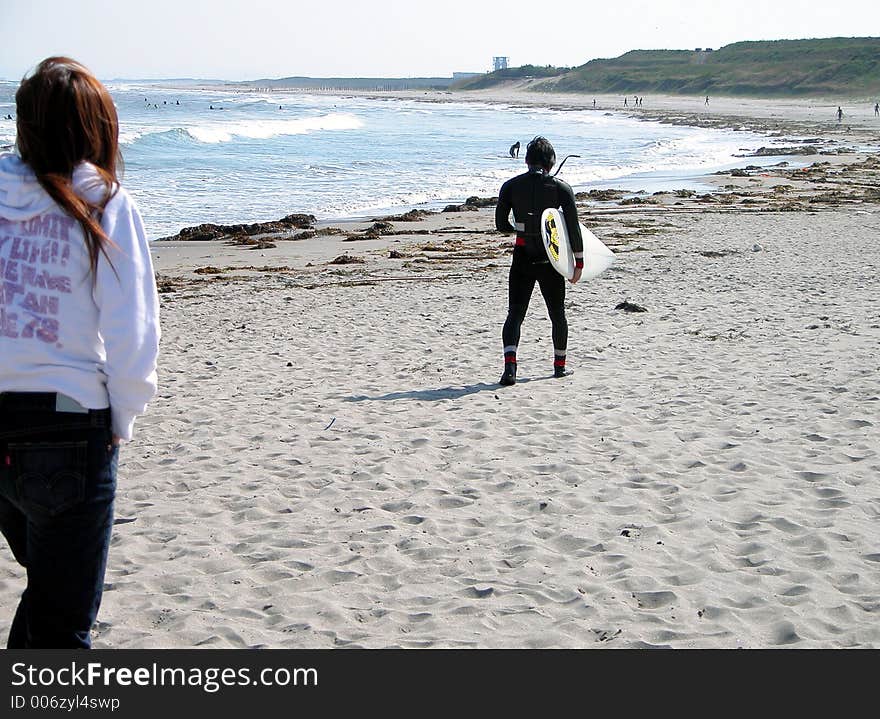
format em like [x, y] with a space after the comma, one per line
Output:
[514, 149]
[528, 195]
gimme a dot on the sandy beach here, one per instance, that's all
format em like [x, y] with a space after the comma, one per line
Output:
[330, 461]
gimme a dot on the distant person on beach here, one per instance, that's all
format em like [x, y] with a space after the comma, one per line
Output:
[707, 99]
[876, 109]
[528, 195]
[79, 337]
[839, 113]
[624, 102]
[514, 149]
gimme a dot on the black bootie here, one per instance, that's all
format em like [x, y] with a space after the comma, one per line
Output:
[509, 376]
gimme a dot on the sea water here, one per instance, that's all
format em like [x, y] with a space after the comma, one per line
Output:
[195, 155]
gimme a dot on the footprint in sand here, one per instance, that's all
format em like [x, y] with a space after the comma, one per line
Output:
[784, 633]
[655, 600]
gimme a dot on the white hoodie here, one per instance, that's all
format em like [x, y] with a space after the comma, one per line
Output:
[96, 342]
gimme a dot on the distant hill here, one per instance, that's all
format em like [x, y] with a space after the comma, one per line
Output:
[350, 83]
[836, 67]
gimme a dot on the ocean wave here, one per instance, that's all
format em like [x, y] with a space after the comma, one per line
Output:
[168, 136]
[671, 155]
[263, 129]
[258, 129]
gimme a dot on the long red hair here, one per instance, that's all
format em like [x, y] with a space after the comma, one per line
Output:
[65, 116]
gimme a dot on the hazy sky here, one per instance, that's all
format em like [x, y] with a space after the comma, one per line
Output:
[392, 38]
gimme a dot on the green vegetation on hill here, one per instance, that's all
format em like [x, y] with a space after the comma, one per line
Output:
[513, 73]
[822, 67]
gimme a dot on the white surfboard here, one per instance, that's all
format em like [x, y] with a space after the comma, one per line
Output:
[597, 257]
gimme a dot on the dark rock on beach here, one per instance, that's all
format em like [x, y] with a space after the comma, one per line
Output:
[376, 230]
[472, 204]
[775, 151]
[628, 306]
[475, 201]
[411, 216]
[348, 260]
[639, 201]
[208, 231]
[600, 195]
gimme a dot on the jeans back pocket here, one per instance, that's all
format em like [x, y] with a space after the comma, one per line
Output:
[49, 476]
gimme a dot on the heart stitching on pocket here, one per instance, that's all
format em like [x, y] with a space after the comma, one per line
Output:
[50, 476]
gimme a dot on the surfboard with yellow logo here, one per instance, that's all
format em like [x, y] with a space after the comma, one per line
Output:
[597, 257]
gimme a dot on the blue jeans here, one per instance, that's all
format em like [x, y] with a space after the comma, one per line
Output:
[57, 486]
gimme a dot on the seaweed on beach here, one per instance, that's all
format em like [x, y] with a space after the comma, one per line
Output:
[208, 231]
[347, 260]
[413, 215]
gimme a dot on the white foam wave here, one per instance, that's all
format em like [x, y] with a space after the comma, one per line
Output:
[127, 137]
[668, 156]
[215, 132]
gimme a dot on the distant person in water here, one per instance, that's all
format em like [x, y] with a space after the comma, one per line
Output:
[876, 109]
[624, 102]
[839, 113]
[514, 149]
[707, 99]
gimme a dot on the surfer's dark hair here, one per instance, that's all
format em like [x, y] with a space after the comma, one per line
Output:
[65, 116]
[540, 152]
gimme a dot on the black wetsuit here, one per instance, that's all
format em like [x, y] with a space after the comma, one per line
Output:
[528, 195]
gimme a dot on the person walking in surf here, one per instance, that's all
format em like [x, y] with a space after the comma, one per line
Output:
[528, 195]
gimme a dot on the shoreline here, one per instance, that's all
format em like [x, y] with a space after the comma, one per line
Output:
[308, 251]
[789, 121]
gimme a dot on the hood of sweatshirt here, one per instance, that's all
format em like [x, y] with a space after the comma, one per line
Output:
[22, 197]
